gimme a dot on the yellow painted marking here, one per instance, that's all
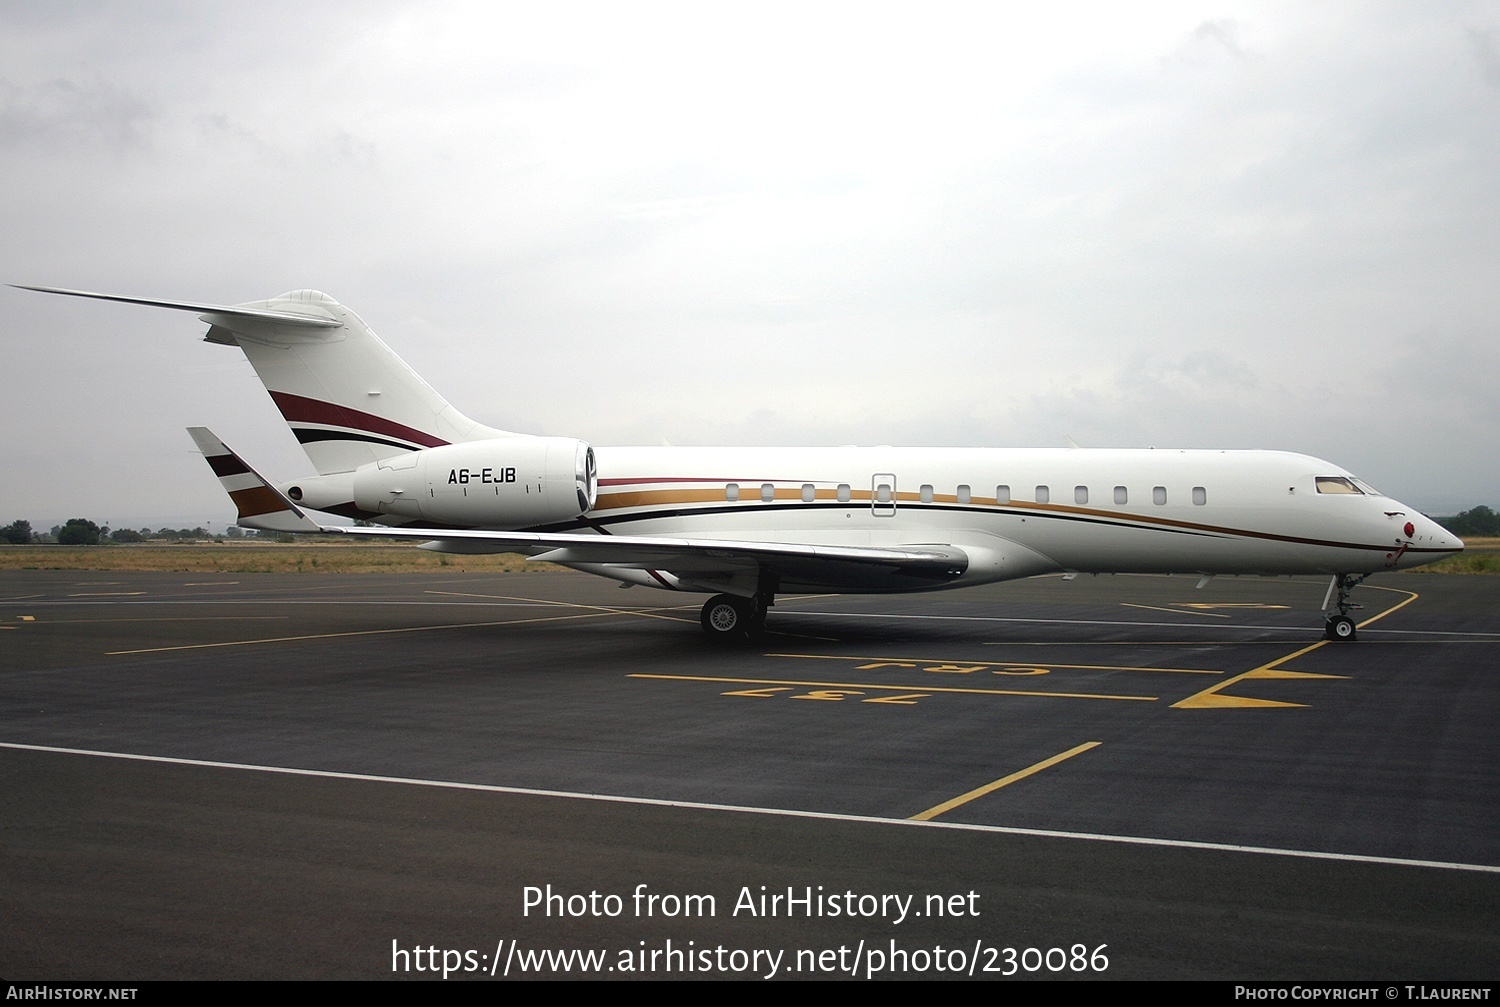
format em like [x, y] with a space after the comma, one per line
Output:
[1218, 701]
[1209, 699]
[906, 662]
[1411, 597]
[1278, 673]
[830, 695]
[759, 693]
[1227, 604]
[7, 627]
[28, 618]
[104, 594]
[888, 688]
[906, 699]
[1004, 781]
[365, 632]
[1174, 611]
[878, 664]
[955, 669]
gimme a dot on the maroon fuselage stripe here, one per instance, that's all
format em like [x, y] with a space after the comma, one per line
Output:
[297, 408]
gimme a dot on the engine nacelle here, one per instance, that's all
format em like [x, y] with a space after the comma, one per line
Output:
[506, 483]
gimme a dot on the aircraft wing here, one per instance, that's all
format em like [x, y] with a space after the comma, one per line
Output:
[705, 560]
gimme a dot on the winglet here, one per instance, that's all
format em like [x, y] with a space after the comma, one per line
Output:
[260, 504]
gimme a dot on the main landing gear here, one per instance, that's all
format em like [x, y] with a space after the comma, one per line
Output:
[728, 618]
[1340, 627]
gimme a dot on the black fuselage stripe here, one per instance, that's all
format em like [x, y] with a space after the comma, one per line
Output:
[307, 435]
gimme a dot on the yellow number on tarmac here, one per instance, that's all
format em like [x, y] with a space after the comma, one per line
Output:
[905, 699]
[830, 695]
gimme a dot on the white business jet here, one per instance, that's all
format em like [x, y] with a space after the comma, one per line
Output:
[746, 524]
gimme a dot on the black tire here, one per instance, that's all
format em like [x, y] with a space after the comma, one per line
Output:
[725, 617]
[1340, 629]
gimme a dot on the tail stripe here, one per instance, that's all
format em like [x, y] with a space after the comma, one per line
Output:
[306, 435]
[258, 503]
[299, 409]
[257, 500]
[226, 465]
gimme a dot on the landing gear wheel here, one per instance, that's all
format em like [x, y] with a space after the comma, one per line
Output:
[725, 617]
[1340, 628]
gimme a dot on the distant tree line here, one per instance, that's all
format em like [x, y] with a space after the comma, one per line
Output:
[82, 531]
[1481, 522]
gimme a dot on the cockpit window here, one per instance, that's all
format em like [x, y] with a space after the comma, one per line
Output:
[1371, 490]
[1337, 484]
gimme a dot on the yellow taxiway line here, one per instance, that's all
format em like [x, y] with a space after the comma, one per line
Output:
[985, 663]
[1212, 699]
[887, 688]
[362, 632]
[1004, 781]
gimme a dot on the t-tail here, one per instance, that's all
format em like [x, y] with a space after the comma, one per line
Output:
[348, 398]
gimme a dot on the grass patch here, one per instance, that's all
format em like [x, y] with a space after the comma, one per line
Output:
[257, 557]
[1480, 555]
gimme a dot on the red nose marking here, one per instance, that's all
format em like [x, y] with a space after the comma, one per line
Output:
[1410, 529]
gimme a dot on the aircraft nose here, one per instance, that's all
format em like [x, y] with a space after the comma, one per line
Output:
[1426, 533]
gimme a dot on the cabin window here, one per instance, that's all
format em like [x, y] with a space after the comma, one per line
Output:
[963, 494]
[732, 492]
[1002, 494]
[1158, 495]
[1122, 496]
[1043, 494]
[1200, 496]
[767, 492]
[808, 493]
[883, 493]
[926, 492]
[844, 493]
[1336, 484]
[1080, 494]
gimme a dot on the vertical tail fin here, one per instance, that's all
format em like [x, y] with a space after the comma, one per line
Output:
[347, 397]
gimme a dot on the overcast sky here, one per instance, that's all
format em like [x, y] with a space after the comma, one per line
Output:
[1222, 225]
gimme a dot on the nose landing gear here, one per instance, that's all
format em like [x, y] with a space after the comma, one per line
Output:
[1340, 628]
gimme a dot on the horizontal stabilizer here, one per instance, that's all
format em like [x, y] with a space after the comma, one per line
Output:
[260, 504]
[225, 310]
